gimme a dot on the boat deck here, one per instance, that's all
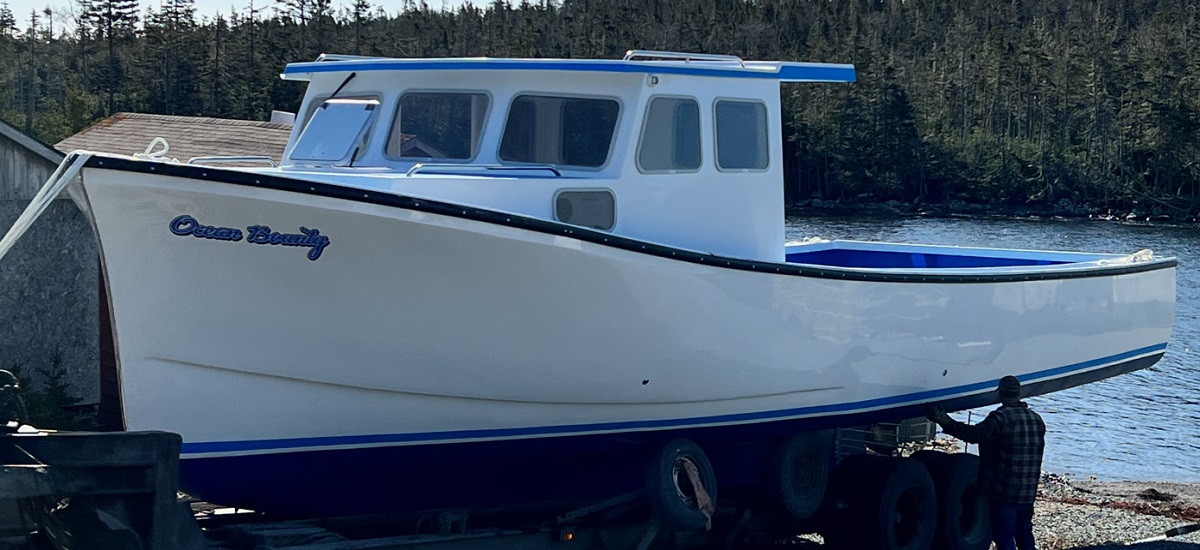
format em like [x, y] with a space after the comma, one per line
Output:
[868, 255]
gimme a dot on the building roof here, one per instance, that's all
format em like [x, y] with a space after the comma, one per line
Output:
[188, 137]
[37, 147]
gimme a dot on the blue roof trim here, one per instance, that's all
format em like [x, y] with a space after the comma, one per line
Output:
[485, 434]
[784, 72]
[792, 72]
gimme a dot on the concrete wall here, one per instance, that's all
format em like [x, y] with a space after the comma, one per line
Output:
[49, 281]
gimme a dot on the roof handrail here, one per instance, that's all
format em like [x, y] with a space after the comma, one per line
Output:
[422, 166]
[656, 55]
[245, 159]
[345, 57]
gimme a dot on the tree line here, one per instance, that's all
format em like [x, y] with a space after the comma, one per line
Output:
[1012, 101]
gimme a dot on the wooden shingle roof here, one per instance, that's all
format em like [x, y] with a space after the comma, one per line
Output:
[188, 137]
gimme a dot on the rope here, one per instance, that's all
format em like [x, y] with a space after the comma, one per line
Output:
[160, 154]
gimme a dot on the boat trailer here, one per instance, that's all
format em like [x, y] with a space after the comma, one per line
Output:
[83, 490]
[120, 491]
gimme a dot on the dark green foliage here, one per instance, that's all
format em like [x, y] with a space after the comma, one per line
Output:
[48, 402]
[8, 22]
[1035, 101]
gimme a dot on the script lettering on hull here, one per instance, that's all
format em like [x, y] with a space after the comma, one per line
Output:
[186, 225]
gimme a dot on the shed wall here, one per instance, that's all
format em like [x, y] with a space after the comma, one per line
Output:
[48, 281]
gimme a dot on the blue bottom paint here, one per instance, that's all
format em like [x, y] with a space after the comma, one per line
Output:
[494, 473]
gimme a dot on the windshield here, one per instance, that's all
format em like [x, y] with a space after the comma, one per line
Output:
[335, 131]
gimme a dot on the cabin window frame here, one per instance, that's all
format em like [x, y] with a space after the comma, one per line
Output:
[637, 157]
[396, 114]
[320, 100]
[299, 125]
[366, 134]
[612, 145]
[766, 135]
[561, 190]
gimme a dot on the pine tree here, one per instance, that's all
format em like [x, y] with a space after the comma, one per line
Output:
[9, 78]
[8, 22]
[84, 32]
[321, 13]
[29, 95]
[298, 14]
[115, 22]
[360, 12]
[171, 59]
[216, 70]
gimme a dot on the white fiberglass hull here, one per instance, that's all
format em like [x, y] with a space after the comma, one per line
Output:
[415, 328]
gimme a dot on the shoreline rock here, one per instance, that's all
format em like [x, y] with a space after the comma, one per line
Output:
[1073, 514]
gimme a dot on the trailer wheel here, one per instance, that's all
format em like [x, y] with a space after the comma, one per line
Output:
[962, 509]
[674, 497]
[889, 504]
[836, 524]
[798, 473]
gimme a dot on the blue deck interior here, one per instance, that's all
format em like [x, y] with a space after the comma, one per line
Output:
[842, 257]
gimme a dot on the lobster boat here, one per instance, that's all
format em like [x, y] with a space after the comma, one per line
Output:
[482, 281]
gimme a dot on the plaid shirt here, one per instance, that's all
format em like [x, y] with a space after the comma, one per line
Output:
[1011, 440]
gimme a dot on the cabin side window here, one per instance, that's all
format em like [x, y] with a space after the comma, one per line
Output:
[741, 128]
[670, 136]
[438, 126]
[569, 131]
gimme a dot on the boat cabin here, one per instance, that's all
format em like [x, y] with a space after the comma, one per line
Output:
[678, 149]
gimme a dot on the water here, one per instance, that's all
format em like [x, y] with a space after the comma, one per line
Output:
[1140, 426]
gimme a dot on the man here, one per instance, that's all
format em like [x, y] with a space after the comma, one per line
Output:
[1011, 440]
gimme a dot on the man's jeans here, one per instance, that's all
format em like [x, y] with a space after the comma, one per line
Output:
[1012, 521]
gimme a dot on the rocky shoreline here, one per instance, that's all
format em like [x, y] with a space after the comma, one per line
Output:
[1063, 209]
[1075, 514]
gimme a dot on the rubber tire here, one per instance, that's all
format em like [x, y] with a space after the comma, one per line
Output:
[834, 519]
[954, 477]
[797, 475]
[673, 511]
[876, 491]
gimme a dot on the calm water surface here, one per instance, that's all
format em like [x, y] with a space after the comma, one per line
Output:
[1139, 426]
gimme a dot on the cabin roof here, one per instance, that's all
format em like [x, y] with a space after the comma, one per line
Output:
[708, 66]
[188, 137]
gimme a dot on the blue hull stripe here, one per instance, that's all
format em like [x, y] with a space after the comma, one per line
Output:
[377, 439]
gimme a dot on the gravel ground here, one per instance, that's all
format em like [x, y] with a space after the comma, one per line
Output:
[1072, 514]
[1075, 514]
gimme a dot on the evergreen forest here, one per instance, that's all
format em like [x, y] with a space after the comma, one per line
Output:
[1086, 105]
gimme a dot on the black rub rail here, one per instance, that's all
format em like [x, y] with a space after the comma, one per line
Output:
[292, 185]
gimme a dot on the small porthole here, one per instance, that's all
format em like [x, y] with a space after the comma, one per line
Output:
[588, 208]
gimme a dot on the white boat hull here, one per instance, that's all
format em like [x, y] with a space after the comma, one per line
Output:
[421, 329]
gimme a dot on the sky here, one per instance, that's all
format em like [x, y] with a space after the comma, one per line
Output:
[204, 8]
